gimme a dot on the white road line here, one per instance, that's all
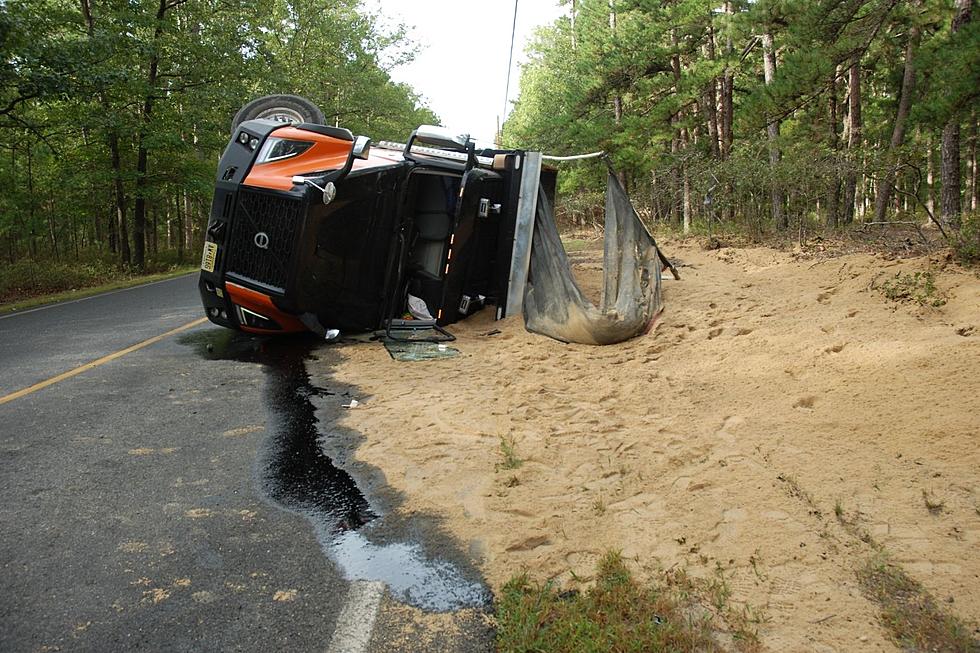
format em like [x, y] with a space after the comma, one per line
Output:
[82, 299]
[356, 621]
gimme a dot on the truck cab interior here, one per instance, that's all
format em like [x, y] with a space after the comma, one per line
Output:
[451, 240]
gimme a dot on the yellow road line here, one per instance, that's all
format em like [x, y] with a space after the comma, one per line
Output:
[101, 361]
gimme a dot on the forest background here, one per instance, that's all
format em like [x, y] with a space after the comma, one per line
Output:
[764, 116]
[114, 113]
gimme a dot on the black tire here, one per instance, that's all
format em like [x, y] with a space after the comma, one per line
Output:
[285, 108]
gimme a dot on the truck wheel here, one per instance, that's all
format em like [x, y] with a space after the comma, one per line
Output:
[284, 108]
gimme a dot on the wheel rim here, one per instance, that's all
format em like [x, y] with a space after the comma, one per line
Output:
[282, 114]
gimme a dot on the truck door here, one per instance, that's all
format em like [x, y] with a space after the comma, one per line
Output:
[472, 245]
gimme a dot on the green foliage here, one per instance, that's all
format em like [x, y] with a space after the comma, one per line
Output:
[915, 287]
[668, 65]
[73, 82]
[26, 278]
[508, 453]
[574, 244]
[966, 242]
[913, 618]
[617, 614]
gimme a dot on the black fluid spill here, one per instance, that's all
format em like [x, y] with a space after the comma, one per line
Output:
[295, 473]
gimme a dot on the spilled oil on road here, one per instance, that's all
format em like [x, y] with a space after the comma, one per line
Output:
[294, 472]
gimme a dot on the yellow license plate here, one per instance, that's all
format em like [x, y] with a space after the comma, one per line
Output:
[210, 254]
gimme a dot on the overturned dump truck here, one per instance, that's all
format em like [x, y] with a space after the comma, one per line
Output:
[314, 229]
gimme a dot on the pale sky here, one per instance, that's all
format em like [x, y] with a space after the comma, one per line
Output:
[462, 68]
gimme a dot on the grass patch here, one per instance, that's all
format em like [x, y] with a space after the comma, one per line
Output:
[509, 454]
[574, 244]
[620, 614]
[910, 614]
[22, 297]
[914, 287]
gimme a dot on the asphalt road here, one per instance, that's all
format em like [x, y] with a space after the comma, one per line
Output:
[133, 513]
[40, 343]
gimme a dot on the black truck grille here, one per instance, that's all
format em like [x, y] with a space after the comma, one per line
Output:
[263, 219]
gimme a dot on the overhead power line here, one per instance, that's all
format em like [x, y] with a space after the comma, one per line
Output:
[510, 59]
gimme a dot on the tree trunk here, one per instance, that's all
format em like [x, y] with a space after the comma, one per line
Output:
[678, 142]
[118, 235]
[188, 222]
[710, 116]
[139, 208]
[898, 130]
[853, 139]
[710, 100]
[617, 98]
[972, 184]
[833, 142]
[688, 209]
[72, 233]
[675, 172]
[169, 221]
[179, 228]
[122, 233]
[146, 113]
[772, 131]
[950, 206]
[52, 233]
[727, 89]
[949, 200]
[862, 201]
[727, 116]
[30, 200]
[154, 214]
[930, 177]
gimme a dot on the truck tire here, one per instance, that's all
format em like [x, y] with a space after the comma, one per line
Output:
[284, 108]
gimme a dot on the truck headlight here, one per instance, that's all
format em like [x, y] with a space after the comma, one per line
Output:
[277, 149]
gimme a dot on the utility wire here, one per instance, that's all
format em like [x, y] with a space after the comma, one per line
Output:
[510, 59]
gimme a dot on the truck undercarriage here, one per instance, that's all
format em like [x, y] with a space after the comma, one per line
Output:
[314, 229]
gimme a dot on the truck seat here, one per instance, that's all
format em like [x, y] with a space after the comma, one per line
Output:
[433, 224]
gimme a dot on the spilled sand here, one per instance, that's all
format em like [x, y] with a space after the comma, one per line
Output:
[781, 420]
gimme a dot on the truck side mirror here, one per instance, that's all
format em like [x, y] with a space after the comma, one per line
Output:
[362, 147]
[441, 137]
[329, 189]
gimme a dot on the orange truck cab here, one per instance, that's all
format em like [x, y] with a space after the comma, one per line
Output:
[314, 229]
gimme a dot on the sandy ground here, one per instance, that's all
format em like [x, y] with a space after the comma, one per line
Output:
[773, 388]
